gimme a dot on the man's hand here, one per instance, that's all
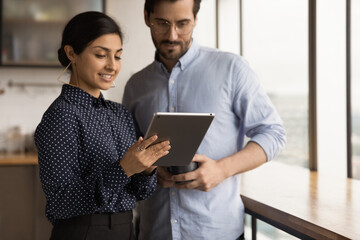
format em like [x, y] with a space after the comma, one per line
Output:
[211, 173]
[206, 177]
[164, 178]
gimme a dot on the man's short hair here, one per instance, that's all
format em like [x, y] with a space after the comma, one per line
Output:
[150, 4]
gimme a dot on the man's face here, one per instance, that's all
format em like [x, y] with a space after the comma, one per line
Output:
[173, 43]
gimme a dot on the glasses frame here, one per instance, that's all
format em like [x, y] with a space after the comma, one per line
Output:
[169, 25]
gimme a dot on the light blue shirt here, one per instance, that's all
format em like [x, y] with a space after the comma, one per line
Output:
[204, 80]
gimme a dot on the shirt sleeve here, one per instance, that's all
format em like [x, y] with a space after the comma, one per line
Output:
[69, 193]
[142, 186]
[262, 124]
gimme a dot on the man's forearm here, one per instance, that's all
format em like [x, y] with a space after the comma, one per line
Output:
[250, 157]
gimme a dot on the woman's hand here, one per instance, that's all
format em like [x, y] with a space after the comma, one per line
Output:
[141, 157]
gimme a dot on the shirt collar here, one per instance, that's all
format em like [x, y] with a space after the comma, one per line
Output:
[185, 60]
[79, 96]
[190, 55]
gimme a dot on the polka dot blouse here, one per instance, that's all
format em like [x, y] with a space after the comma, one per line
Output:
[80, 141]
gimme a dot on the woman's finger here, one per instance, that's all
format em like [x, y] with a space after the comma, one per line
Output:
[161, 154]
[165, 145]
[149, 141]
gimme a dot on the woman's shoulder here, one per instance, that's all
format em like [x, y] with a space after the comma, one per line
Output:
[119, 109]
[116, 106]
[59, 109]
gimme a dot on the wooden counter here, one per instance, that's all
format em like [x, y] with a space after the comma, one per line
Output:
[18, 159]
[303, 203]
[22, 200]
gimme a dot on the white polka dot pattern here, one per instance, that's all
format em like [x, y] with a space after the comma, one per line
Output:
[80, 141]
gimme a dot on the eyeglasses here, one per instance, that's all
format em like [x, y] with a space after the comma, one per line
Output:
[163, 26]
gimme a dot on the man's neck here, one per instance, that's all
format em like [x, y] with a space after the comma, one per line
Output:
[169, 64]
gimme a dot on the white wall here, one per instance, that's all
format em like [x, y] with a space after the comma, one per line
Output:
[138, 47]
[24, 106]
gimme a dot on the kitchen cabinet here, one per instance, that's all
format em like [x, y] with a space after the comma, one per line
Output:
[22, 201]
[31, 29]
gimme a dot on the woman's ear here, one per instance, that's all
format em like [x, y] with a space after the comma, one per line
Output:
[70, 53]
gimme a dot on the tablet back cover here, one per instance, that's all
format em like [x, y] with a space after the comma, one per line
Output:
[185, 131]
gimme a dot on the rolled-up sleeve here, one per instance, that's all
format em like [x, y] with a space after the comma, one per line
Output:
[262, 123]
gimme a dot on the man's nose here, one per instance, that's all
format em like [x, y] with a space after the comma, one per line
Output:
[172, 33]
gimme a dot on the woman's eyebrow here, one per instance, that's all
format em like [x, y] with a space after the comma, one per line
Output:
[107, 49]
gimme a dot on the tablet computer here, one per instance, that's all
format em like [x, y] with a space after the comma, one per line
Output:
[185, 131]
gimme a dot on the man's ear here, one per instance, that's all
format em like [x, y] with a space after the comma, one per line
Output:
[70, 53]
[146, 18]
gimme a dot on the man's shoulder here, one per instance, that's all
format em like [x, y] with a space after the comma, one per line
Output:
[143, 72]
[223, 59]
[211, 53]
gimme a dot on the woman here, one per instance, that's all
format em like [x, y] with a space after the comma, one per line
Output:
[92, 169]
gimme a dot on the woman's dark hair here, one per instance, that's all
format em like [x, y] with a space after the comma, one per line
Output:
[150, 4]
[84, 28]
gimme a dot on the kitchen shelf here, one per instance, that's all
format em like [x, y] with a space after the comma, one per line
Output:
[30, 31]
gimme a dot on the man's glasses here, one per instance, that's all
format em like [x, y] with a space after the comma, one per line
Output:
[163, 26]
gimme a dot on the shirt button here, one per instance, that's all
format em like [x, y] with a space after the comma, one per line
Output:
[173, 193]
[175, 221]
[172, 109]
[172, 81]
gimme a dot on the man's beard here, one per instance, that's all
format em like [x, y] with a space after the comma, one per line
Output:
[170, 54]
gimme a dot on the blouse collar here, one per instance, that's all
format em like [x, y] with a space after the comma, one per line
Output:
[79, 96]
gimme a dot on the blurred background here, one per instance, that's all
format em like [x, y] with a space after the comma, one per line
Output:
[305, 53]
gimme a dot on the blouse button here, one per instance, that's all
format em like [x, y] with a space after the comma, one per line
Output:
[97, 103]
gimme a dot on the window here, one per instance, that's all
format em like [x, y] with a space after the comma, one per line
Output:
[275, 43]
[355, 87]
[331, 87]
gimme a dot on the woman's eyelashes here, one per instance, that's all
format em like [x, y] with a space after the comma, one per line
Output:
[101, 56]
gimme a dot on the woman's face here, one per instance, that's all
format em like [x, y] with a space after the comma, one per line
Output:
[98, 65]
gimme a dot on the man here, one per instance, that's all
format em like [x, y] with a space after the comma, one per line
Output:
[188, 78]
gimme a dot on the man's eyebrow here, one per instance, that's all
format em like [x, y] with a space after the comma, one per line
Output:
[161, 19]
[181, 20]
[107, 49]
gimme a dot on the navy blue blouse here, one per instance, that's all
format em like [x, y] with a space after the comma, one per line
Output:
[80, 141]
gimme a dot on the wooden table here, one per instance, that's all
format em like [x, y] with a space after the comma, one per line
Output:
[303, 203]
